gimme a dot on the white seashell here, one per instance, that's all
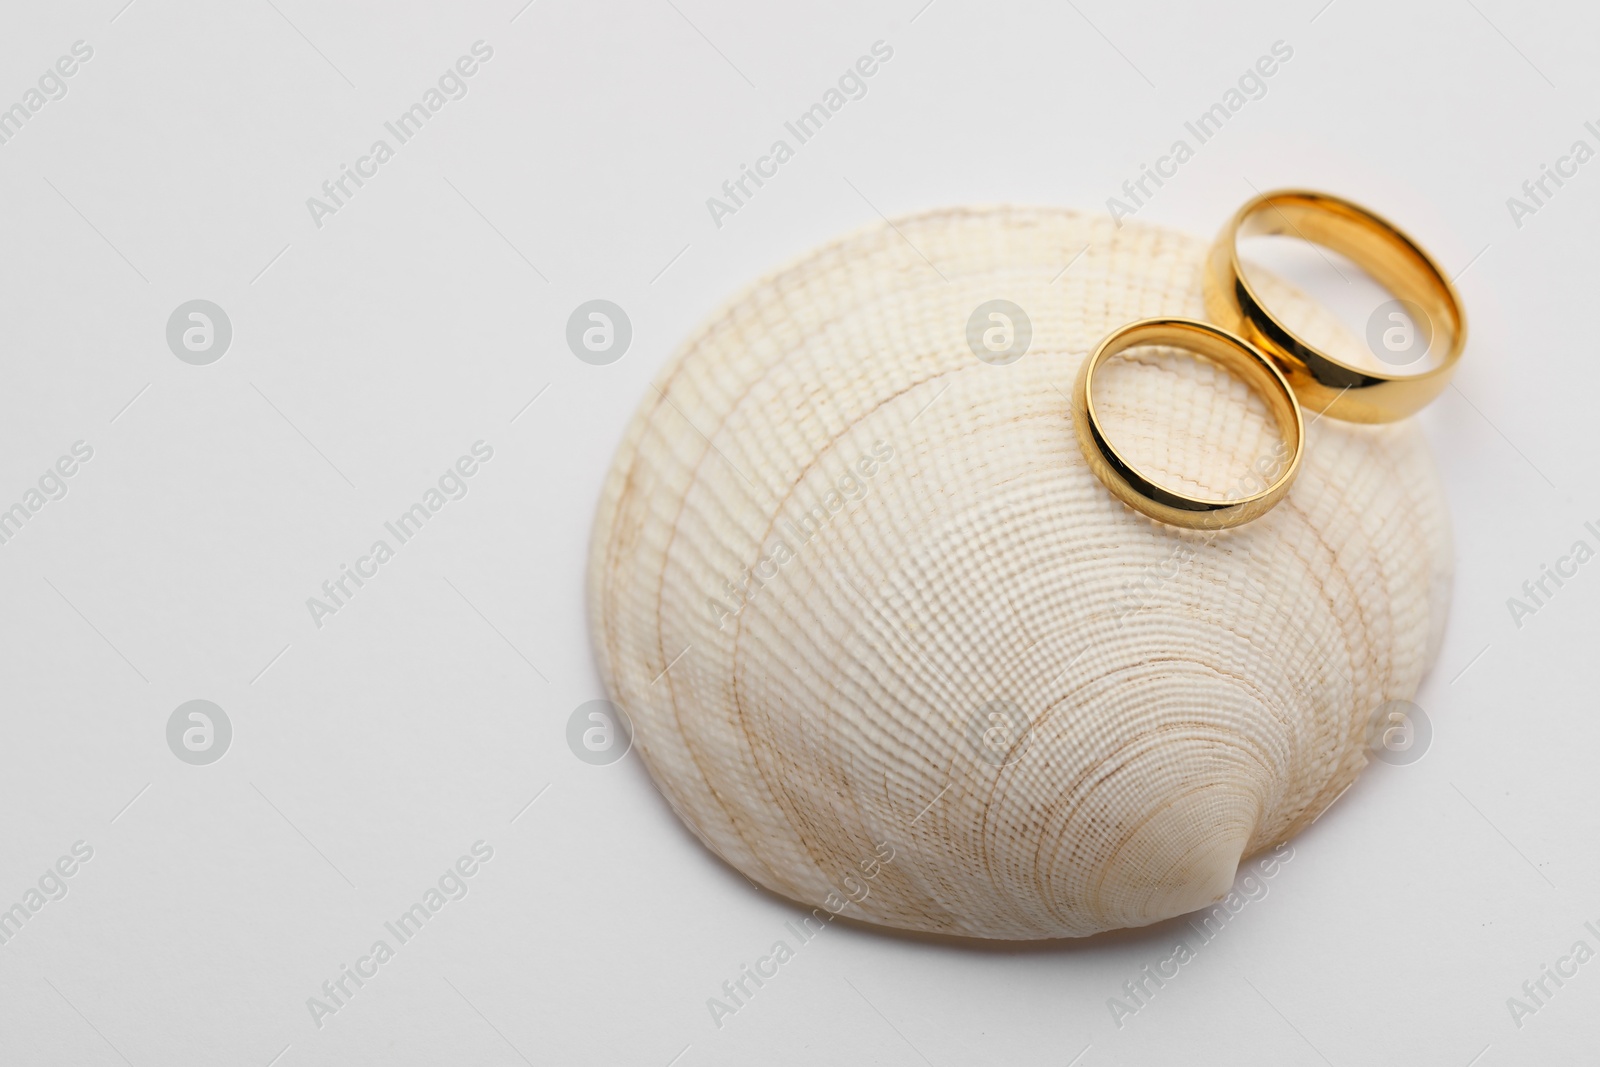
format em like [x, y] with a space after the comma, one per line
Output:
[1193, 697]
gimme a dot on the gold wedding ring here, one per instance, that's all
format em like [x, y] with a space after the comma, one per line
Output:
[1325, 384]
[1229, 352]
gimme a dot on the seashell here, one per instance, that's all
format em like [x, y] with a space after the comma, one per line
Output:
[890, 649]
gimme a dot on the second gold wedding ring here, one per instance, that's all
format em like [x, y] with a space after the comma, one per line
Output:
[1323, 383]
[1138, 490]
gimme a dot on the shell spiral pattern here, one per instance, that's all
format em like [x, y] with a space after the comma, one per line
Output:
[855, 585]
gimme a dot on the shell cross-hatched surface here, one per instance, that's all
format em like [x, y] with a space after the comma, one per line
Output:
[890, 649]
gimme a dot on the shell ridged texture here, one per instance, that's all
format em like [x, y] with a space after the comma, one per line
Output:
[851, 540]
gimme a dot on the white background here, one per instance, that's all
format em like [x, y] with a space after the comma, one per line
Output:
[370, 352]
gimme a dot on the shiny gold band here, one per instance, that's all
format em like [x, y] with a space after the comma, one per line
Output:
[1323, 383]
[1232, 354]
